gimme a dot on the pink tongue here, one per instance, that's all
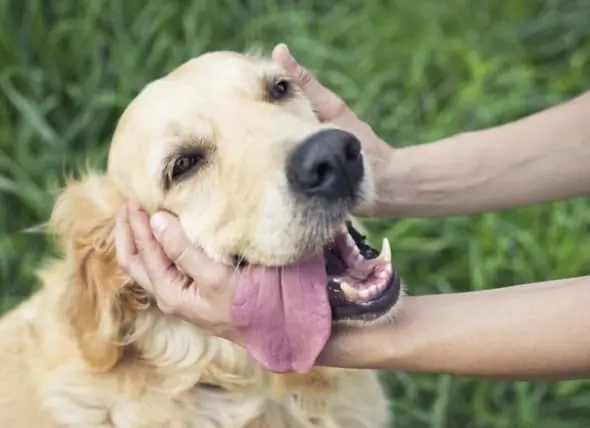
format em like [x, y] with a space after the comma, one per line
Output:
[284, 314]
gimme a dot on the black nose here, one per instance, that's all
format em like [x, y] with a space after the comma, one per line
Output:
[327, 164]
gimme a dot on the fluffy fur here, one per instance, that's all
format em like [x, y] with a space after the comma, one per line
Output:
[90, 349]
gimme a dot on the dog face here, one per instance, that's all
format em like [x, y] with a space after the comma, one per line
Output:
[228, 144]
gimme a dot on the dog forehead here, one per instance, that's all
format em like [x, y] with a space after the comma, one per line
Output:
[187, 103]
[223, 72]
[214, 79]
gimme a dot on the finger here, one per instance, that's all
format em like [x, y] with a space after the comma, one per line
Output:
[192, 260]
[127, 256]
[327, 103]
[166, 279]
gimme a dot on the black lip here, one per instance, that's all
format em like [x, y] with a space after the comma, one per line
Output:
[375, 308]
[360, 240]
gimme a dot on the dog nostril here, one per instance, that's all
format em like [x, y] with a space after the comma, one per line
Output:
[327, 164]
[322, 171]
[352, 151]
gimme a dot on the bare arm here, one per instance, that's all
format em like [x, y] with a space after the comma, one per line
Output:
[541, 158]
[534, 331]
[531, 331]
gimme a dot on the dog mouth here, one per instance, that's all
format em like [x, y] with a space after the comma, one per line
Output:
[362, 284]
[285, 313]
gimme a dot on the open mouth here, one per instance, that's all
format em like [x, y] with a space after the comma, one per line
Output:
[362, 283]
[285, 313]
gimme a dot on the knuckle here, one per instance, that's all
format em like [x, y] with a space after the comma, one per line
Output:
[168, 295]
[122, 259]
[214, 280]
[304, 78]
[177, 257]
[212, 288]
[335, 110]
[143, 242]
[340, 107]
[144, 248]
[166, 308]
[126, 262]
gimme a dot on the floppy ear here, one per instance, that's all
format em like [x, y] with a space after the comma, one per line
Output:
[99, 300]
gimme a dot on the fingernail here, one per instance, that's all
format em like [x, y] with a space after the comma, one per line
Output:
[159, 222]
[288, 58]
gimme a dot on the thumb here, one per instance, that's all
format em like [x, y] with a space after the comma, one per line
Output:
[185, 255]
[327, 103]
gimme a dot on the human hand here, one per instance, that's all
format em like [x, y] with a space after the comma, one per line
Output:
[331, 108]
[158, 255]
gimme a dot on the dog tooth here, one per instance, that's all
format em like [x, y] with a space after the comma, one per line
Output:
[365, 293]
[374, 290]
[388, 270]
[385, 254]
[348, 290]
[379, 284]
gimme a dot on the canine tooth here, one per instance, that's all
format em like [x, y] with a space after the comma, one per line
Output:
[385, 254]
[388, 270]
[348, 290]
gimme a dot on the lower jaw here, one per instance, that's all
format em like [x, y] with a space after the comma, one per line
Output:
[372, 309]
[351, 248]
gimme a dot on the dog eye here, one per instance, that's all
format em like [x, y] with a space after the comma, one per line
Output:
[279, 90]
[210, 387]
[185, 164]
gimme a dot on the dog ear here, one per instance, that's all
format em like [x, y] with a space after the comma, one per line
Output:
[99, 300]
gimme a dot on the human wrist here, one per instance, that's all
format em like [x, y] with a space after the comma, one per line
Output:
[348, 347]
[382, 346]
[391, 175]
[429, 179]
[424, 180]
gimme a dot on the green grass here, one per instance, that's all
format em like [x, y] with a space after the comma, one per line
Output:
[416, 70]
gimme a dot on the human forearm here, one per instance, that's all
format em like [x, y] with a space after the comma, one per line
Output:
[535, 331]
[540, 158]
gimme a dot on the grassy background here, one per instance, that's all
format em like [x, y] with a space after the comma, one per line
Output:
[416, 70]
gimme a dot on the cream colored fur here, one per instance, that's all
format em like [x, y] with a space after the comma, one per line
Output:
[91, 349]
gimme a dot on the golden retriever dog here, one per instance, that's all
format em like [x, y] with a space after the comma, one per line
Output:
[228, 144]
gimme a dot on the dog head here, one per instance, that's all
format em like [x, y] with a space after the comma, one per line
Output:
[232, 147]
